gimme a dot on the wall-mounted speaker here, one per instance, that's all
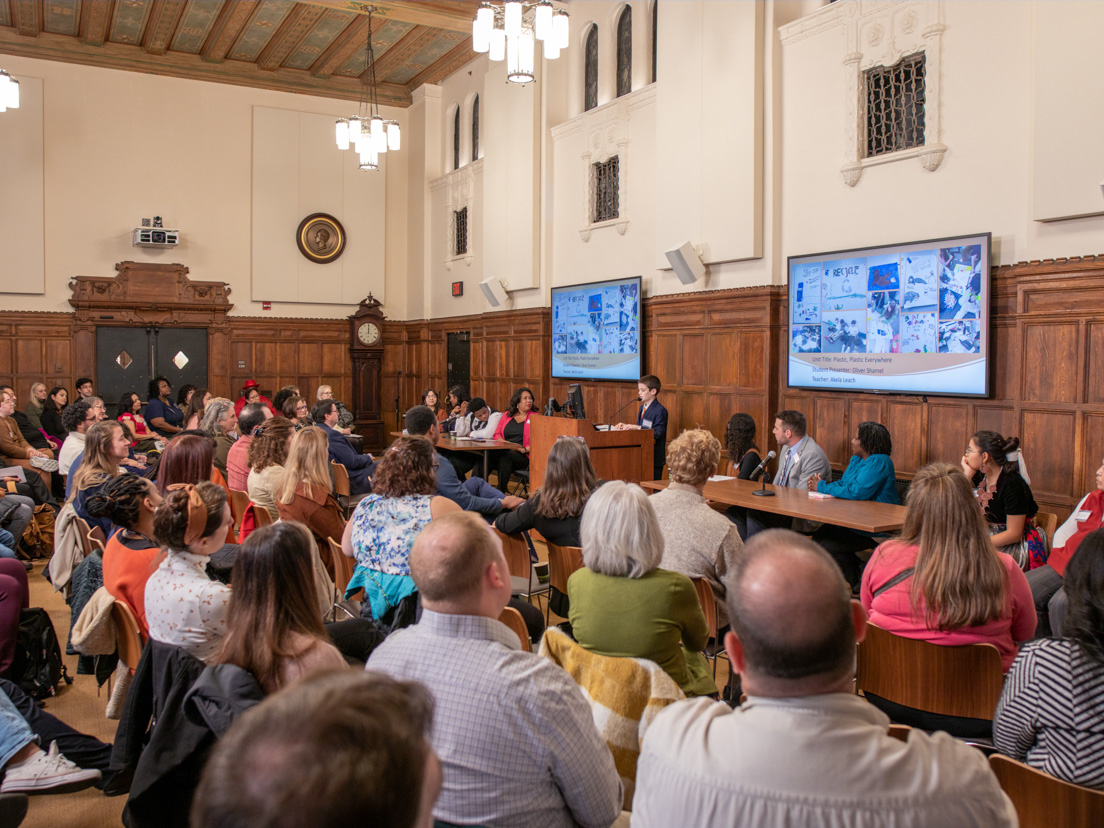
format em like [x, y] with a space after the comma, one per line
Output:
[495, 292]
[687, 264]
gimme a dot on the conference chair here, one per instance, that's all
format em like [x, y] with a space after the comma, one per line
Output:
[562, 561]
[128, 635]
[94, 536]
[341, 487]
[343, 573]
[1044, 801]
[523, 581]
[238, 502]
[512, 619]
[261, 516]
[709, 607]
[961, 681]
[84, 532]
[1047, 522]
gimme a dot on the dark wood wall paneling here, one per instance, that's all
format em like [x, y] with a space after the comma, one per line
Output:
[716, 353]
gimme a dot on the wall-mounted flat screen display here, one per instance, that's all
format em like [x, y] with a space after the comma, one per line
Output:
[597, 331]
[904, 318]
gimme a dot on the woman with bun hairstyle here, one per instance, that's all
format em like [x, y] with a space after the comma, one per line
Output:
[184, 607]
[129, 501]
[275, 630]
[995, 466]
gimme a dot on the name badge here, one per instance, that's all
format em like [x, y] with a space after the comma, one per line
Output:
[1083, 515]
[645, 423]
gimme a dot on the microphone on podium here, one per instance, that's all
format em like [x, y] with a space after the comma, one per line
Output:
[761, 470]
[622, 408]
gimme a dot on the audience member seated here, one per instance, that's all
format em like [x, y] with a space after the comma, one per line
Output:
[237, 458]
[359, 466]
[479, 423]
[1046, 581]
[163, 415]
[556, 508]
[106, 446]
[220, 421]
[996, 467]
[15, 450]
[184, 607]
[267, 454]
[472, 495]
[382, 530]
[306, 493]
[1051, 714]
[142, 437]
[36, 404]
[197, 405]
[251, 394]
[16, 514]
[803, 750]
[869, 476]
[697, 541]
[14, 598]
[281, 397]
[514, 428]
[274, 629]
[433, 402]
[56, 401]
[189, 458]
[184, 395]
[131, 553]
[363, 739]
[622, 604]
[800, 458]
[942, 581]
[344, 416]
[739, 442]
[29, 769]
[457, 407]
[515, 735]
[297, 411]
[77, 419]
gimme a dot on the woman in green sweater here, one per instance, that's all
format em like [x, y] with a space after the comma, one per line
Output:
[623, 605]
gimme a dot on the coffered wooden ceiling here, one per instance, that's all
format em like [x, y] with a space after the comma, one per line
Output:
[315, 47]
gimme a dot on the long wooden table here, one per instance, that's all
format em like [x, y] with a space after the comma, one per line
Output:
[864, 515]
[467, 444]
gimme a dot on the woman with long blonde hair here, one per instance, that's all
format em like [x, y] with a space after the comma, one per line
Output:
[942, 580]
[106, 445]
[306, 493]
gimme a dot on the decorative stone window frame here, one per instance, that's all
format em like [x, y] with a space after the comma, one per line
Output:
[459, 186]
[880, 34]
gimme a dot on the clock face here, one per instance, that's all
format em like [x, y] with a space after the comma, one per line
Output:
[369, 333]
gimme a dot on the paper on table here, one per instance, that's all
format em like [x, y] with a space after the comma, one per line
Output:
[820, 496]
[717, 478]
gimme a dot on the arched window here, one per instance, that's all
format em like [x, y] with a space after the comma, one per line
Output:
[456, 139]
[590, 70]
[624, 52]
[655, 42]
[475, 129]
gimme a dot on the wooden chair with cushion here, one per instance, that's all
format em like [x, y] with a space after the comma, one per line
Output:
[127, 634]
[562, 561]
[84, 531]
[261, 516]
[94, 538]
[341, 487]
[1044, 801]
[709, 607]
[238, 502]
[523, 580]
[343, 573]
[512, 619]
[1048, 524]
[963, 681]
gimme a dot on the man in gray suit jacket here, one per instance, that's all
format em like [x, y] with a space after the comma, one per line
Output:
[800, 458]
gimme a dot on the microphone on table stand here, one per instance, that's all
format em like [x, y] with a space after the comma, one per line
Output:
[761, 469]
[398, 414]
[622, 408]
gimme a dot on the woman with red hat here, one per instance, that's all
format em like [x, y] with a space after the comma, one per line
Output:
[251, 394]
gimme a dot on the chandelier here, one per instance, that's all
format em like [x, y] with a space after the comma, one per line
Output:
[510, 30]
[367, 132]
[9, 92]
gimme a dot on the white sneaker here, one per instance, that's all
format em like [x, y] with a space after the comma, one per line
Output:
[48, 772]
[44, 463]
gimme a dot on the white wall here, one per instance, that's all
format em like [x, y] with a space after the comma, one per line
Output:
[119, 146]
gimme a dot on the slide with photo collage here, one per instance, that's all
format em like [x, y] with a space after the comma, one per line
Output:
[599, 321]
[924, 301]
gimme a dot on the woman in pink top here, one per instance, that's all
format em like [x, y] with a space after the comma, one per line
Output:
[943, 581]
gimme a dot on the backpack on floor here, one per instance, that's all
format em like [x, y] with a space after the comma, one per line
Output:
[38, 537]
[36, 666]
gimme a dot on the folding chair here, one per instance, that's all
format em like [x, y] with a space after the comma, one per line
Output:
[1044, 801]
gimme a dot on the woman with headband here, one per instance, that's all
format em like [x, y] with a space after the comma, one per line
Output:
[184, 607]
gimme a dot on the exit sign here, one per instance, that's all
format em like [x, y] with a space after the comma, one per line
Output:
[457, 288]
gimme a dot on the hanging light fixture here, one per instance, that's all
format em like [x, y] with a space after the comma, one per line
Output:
[9, 92]
[509, 31]
[367, 132]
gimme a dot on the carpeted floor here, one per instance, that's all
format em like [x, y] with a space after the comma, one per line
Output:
[79, 705]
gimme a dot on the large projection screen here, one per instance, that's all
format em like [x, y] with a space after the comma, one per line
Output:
[904, 318]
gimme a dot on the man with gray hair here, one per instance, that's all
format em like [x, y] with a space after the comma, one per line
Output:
[803, 750]
[514, 733]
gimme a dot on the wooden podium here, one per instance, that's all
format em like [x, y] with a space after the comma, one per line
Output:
[616, 455]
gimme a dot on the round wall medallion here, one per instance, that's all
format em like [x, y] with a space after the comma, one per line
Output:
[321, 238]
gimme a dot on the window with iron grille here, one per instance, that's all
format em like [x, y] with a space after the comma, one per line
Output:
[895, 106]
[475, 129]
[590, 70]
[460, 228]
[624, 52]
[606, 185]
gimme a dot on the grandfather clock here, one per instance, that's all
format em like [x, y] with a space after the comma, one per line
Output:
[366, 352]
